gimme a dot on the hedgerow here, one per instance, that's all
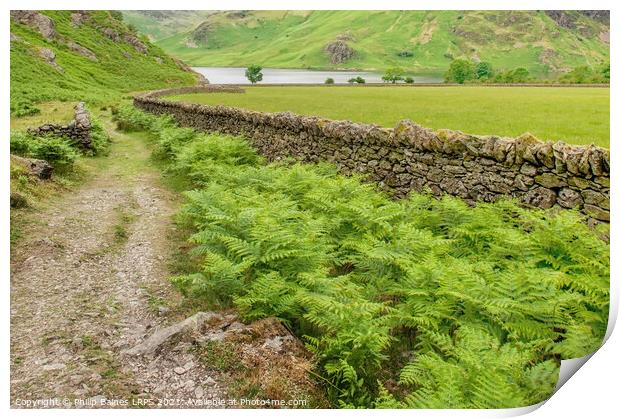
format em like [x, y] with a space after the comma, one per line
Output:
[413, 303]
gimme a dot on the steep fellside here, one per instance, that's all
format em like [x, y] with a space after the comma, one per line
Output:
[545, 42]
[83, 55]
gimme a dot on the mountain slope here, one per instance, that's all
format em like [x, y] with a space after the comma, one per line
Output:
[92, 56]
[422, 41]
[160, 24]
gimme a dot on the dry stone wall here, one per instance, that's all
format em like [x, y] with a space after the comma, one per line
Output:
[77, 130]
[410, 157]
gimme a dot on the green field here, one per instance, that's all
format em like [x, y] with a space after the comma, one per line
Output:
[573, 115]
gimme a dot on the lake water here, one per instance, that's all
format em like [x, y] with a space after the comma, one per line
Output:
[236, 75]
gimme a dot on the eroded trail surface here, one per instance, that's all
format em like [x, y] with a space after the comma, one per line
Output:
[87, 281]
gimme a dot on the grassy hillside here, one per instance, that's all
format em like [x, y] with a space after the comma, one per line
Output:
[92, 56]
[160, 24]
[508, 111]
[426, 40]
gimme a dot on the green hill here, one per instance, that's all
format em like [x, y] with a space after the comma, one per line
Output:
[545, 43]
[92, 56]
[160, 24]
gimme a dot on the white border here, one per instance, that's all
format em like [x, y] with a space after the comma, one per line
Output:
[593, 392]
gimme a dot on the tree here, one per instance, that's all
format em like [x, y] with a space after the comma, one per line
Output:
[393, 75]
[254, 73]
[329, 80]
[358, 80]
[484, 69]
[409, 80]
[605, 71]
[460, 71]
[519, 75]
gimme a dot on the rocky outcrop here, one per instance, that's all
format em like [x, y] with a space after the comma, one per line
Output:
[43, 24]
[598, 15]
[83, 51]
[111, 34]
[38, 168]
[568, 18]
[202, 80]
[200, 35]
[77, 130]
[136, 43]
[412, 158]
[50, 58]
[160, 337]
[79, 17]
[339, 51]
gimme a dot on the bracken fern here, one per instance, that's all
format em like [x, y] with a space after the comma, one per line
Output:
[417, 303]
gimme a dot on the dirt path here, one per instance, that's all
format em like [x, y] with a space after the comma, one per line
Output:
[87, 282]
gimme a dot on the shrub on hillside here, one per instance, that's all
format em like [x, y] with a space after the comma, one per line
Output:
[585, 74]
[329, 80]
[100, 140]
[20, 143]
[57, 151]
[20, 109]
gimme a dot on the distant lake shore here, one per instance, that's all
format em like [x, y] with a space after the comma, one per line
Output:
[236, 75]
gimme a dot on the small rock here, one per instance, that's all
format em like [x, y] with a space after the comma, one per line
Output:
[210, 381]
[164, 335]
[540, 197]
[75, 379]
[163, 310]
[549, 180]
[569, 198]
[53, 367]
[179, 370]
[199, 392]
[189, 385]
[274, 344]
[596, 212]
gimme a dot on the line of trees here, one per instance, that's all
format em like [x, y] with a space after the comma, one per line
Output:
[465, 71]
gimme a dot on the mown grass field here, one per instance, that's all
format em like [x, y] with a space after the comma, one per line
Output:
[574, 115]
